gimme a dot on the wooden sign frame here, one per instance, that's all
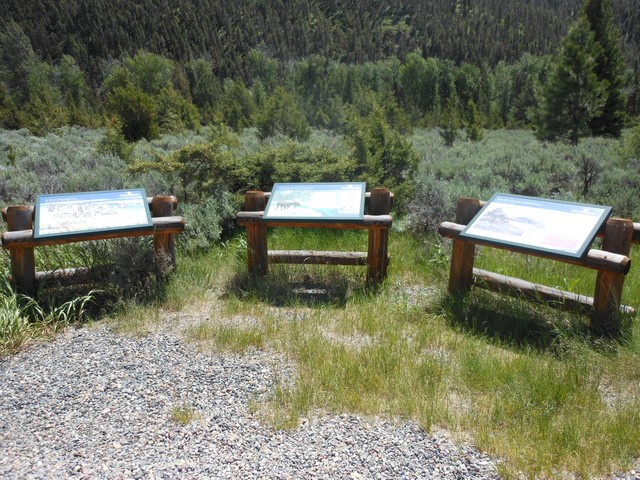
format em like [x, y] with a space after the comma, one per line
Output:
[87, 213]
[322, 201]
[554, 227]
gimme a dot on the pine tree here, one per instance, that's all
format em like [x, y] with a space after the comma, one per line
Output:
[573, 94]
[609, 67]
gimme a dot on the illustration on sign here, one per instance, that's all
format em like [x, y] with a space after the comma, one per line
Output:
[88, 212]
[317, 201]
[551, 226]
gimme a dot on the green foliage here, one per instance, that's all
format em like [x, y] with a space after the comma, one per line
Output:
[419, 82]
[282, 114]
[207, 222]
[263, 69]
[10, 117]
[383, 156]
[574, 94]
[137, 112]
[16, 59]
[114, 143]
[450, 124]
[295, 162]
[609, 67]
[175, 113]
[473, 123]
[204, 87]
[630, 148]
[237, 104]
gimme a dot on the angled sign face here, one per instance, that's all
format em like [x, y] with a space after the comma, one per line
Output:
[316, 201]
[557, 228]
[85, 213]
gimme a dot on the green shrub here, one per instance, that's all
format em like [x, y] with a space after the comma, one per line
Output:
[382, 155]
[207, 222]
[282, 114]
[137, 112]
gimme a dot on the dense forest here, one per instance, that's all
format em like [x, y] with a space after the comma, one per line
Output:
[476, 32]
[284, 66]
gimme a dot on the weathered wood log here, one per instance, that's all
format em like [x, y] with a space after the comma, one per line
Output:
[618, 236]
[24, 238]
[257, 260]
[23, 264]
[164, 243]
[594, 259]
[518, 287]
[463, 253]
[315, 257]
[383, 221]
[73, 276]
[377, 253]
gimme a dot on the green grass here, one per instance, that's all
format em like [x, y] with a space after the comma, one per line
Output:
[524, 382]
[183, 413]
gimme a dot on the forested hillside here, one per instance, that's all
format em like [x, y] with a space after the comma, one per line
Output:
[473, 31]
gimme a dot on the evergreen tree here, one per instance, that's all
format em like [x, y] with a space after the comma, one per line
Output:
[609, 67]
[573, 94]
[450, 123]
[473, 123]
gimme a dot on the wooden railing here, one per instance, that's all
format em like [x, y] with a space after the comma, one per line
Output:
[611, 262]
[20, 241]
[377, 221]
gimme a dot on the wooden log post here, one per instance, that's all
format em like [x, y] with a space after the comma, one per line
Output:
[163, 243]
[377, 254]
[618, 236]
[462, 256]
[23, 264]
[257, 253]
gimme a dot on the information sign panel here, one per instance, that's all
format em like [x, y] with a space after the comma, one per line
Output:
[90, 212]
[317, 201]
[555, 227]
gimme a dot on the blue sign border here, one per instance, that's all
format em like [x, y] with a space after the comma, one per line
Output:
[287, 202]
[504, 230]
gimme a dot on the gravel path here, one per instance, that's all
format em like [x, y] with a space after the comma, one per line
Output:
[94, 404]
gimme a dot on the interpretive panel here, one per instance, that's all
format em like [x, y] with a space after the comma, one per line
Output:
[551, 226]
[317, 201]
[90, 212]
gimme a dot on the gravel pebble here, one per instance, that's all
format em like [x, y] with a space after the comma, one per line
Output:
[94, 404]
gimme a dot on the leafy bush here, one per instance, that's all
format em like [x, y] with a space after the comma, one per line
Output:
[383, 156]
[137, 112]
[282, 114]
[206, 223]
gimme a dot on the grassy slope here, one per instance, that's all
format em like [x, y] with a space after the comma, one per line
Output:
[518, 379]
[522, 381]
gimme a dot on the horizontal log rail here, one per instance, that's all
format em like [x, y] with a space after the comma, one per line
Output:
[314, 257]
[535, 291]
[594, 259]
[368, 221]
[25, 238]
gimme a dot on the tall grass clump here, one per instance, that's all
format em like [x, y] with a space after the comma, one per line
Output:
[22, 318]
